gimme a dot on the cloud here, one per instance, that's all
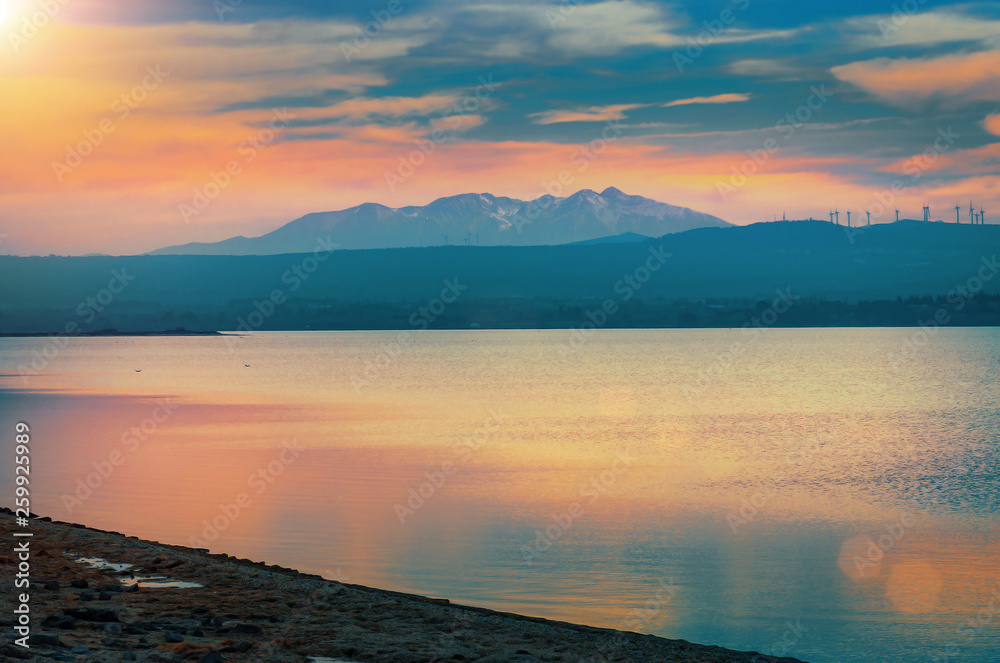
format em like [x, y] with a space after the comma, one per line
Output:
[983, 160]
[992, 124]
[387, 119]
[922, 29]
[608, 27]
[211, 66]
[522, 30]
[956, 79]
[603, 28]
[363, 108]
[762, 68]
[396, 39]
[458, 123]
[592, 114]
[730, 98]
[737, 36]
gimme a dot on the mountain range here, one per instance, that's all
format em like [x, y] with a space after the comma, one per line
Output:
[472, 218]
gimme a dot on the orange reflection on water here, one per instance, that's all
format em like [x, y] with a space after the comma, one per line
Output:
[934, 571]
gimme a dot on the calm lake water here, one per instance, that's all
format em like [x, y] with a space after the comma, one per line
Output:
[822, 494]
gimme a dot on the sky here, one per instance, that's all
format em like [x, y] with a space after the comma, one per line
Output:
[131, 126]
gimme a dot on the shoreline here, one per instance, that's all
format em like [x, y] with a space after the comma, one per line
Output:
[243, 610]
[113, 333]
[110, 332]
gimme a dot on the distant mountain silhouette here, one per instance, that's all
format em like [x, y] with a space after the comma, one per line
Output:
[471, 218]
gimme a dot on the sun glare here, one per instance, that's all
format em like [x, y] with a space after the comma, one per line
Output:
[3, 10]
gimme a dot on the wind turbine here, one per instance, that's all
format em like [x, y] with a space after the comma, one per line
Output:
[897, 215]
[982, 216]
[446, 240]
[869, 217]
[957, 219]
[972, 213]
[848, 218]
[837, 214]
[831, 216]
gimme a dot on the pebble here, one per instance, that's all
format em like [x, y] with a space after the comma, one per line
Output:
[92, 614]
[246, 628]
[44, 640]
[79, 584]
[170, 636]
[59, 621]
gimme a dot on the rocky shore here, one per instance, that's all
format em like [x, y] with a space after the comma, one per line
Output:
[104, 596]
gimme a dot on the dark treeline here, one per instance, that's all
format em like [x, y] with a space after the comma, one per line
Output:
[519, 313]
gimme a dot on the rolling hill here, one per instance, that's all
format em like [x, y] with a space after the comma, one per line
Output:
[894, 274]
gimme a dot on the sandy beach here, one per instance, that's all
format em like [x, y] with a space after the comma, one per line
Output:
[105, 596]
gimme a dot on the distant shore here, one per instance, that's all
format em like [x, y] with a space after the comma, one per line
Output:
[112, 332]
[783, 309]
[250, 611]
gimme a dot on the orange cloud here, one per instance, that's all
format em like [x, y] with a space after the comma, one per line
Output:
[956, 78]
[958, 163]
[458, 123]
[992, 124]
[730, 98]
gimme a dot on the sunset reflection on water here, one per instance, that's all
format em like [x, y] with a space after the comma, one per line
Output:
[758, 499]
